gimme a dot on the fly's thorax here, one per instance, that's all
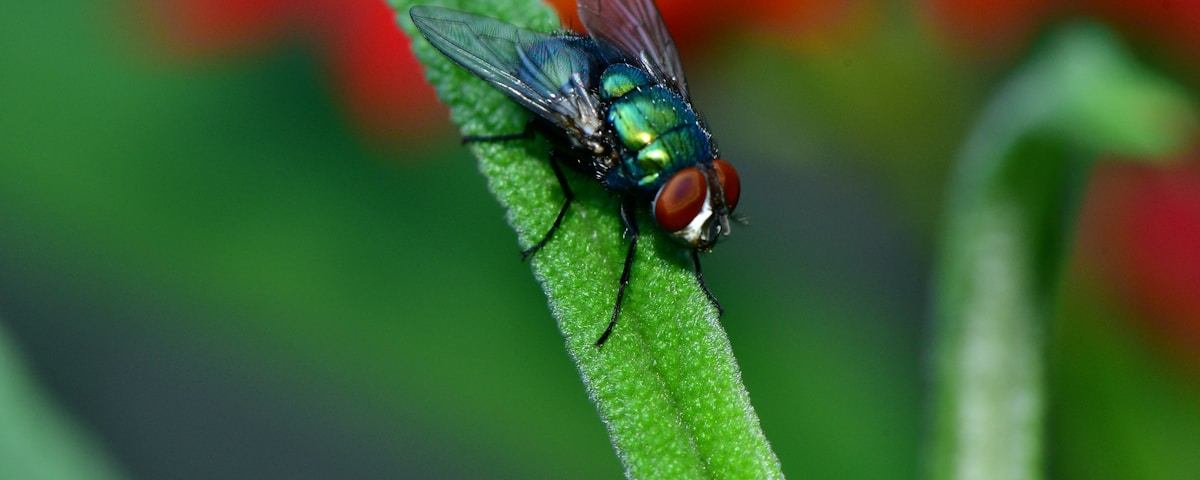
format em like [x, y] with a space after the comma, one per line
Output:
[619, 79]
[645, 113]
[657, 130]
[675, 149]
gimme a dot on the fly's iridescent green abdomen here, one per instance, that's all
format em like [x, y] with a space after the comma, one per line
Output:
[617, 108]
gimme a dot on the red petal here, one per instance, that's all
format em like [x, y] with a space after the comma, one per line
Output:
[1142, 224]
[208, 27]
[380, 81]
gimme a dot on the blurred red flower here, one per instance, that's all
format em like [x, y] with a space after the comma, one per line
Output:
[808, 24]
[200, 28]
[690, 23]
[986, 27]
[1003, 28]
[695, 24]
[379, 81]
[1173, 25]
[1141, 229]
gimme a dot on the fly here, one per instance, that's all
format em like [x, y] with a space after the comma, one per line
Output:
[615, 106]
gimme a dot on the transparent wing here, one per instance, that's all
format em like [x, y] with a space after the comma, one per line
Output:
[545, 73]
[636, 28]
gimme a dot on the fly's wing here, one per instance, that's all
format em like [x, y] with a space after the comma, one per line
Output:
[546, 74]
[636, 28]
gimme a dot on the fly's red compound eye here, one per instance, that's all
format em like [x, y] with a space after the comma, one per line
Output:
[680, 200]
[730, 183]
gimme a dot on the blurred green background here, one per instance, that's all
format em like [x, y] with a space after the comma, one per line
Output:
[240, 240]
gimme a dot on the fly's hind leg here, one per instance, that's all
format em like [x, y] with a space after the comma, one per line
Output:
[526, 134]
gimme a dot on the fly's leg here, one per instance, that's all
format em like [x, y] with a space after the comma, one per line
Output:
[562, 212]
[630, 223]
[526, 134]
[703, 286]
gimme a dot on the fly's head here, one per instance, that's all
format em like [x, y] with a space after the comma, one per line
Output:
[694, 205]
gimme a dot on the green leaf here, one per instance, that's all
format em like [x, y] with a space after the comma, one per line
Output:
[38, 441]
[666, 383]
[1009, 216]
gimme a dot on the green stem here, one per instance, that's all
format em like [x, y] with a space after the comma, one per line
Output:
[1011, 208]
[666, 383]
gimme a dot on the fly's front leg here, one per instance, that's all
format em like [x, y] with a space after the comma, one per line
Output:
[703, 286]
